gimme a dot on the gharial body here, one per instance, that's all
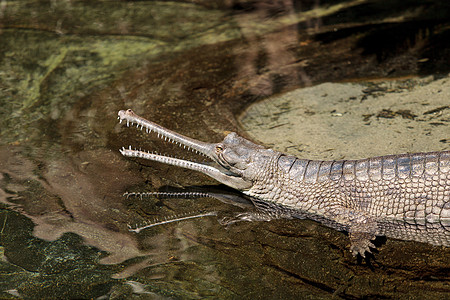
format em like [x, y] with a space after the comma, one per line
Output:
[403, 196]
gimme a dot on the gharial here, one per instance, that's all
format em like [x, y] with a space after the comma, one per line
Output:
[404, 196]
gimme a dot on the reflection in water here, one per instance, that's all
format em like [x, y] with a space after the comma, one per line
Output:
[270, 61]
[66, 197]
[254, 211]
[68, 67]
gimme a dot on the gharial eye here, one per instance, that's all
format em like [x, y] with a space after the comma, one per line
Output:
[219, 148]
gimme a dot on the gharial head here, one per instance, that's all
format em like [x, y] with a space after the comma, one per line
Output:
[237, 162]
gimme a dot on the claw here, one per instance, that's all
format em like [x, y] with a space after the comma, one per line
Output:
[360, 243]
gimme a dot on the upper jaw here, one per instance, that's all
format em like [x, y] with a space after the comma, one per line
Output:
[207, 149]
[130, 117]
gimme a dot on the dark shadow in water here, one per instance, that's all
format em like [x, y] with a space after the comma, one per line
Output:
[422, 34]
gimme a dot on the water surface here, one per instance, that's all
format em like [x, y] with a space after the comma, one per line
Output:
[66, 69]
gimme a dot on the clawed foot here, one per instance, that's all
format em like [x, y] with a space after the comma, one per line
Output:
[360, 243]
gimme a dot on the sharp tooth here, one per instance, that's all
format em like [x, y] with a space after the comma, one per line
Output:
[128, 123]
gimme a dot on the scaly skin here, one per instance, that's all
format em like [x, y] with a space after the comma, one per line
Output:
[403, 196]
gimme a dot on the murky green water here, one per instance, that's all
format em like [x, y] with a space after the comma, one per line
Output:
[67, 67]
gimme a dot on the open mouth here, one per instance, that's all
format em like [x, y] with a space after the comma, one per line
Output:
[210, 150]
[187, 143]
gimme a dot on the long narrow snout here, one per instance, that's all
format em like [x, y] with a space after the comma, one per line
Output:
[131, 118]
[206, 149]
